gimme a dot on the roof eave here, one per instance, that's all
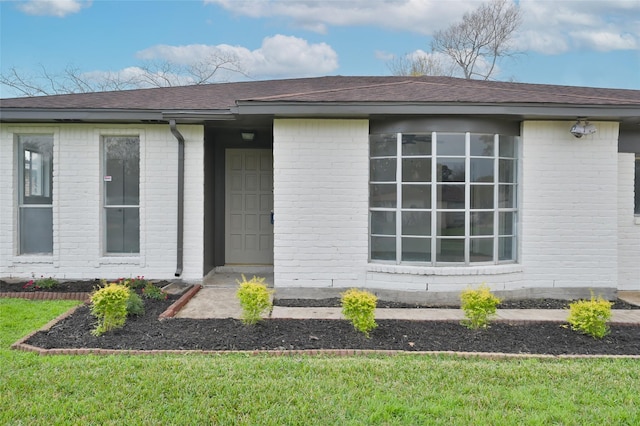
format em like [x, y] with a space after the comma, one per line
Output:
[522, 111]
[49, 115]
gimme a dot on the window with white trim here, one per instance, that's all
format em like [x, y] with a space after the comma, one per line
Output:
[35, 208]
[443, 198]
[121, 177]
[636, 209]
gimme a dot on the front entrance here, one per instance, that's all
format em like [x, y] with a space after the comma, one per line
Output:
[248, 207]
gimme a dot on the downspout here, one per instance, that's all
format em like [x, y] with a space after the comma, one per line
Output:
[180, 240]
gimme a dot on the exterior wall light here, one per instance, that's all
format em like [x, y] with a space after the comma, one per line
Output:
[247, 136]
[580, 129]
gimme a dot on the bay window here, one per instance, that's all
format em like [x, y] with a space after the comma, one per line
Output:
[443, 198]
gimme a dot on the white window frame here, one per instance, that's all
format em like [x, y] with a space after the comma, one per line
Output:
[105, 253]
[46, 189]
[636, 183]
[435, 210]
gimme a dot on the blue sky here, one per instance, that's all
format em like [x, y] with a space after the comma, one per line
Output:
[566, 42]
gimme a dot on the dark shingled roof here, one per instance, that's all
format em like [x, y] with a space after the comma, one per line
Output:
[338, 89]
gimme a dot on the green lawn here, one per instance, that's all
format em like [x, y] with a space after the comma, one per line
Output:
[300, 390]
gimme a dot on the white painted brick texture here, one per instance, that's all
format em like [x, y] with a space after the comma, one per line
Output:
[628, 226]
[77, 204]
[320, 202]
[569, 206]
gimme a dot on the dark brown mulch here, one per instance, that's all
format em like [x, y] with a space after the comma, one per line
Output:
[84, 286]
[507, 304]
[147, 332]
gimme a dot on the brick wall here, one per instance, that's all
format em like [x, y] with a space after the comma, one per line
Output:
[320, 202]
[628, 226]
[569, 205]
[568, 218]
[77, 204]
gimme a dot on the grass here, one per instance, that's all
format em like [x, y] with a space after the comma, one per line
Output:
[299, 390]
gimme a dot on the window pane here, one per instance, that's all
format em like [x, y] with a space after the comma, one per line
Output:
[383, 170]
[416, 223]
[416, 249]
[507, 171]
[382, 195]
[122, 160]
[449, 250]
[507, 196]
[383, 248]
[416, 170]
[123, 230]
[482, 223]
[416, 145]
[36, 230]
[482, 197]
[450, 169]
[481, 249]
[382, 145]
[506, 223]
[450, 196]
[416, 196]
[507, 146]
[451, 223]
[383, 223]
[36, 164]
[482, 170]
[450, 144]
[506, 248]
[482, 145]
[637, 187]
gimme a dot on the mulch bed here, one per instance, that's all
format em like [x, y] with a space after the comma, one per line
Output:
[146, 332]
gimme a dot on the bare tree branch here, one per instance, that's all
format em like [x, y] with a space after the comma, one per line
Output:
[162, 73]
[483, 37]
[416, 65]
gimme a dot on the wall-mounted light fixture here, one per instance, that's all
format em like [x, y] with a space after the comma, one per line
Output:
[580, 129]
[247, 136]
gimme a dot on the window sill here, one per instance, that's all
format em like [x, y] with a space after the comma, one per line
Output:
[637, 220]
[120, 260]
[27, 258]
[446, 270]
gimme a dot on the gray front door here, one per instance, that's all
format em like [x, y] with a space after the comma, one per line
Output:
[248, 205]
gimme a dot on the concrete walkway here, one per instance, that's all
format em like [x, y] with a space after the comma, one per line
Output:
[220, 301]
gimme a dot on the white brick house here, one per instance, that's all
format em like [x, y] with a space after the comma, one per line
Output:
[423, 184]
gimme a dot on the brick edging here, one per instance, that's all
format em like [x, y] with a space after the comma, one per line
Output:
[171, 311]
[45, 295]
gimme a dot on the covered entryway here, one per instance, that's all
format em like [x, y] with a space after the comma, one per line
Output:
[249, 202]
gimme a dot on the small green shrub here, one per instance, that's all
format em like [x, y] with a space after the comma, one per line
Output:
[359, 307]
[478, 305]
[135, 304]
[150, 291]
[109, 306]
[254, 299]
[590, 316]
[46, 282]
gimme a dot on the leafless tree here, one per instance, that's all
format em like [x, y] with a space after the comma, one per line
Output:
[417, 64]
[162, 73]
[481, 39]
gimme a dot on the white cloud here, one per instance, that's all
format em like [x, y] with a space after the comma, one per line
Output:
[554, 27]
[58, 8]
[549, 27]
[421, 16]
[278, 56]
